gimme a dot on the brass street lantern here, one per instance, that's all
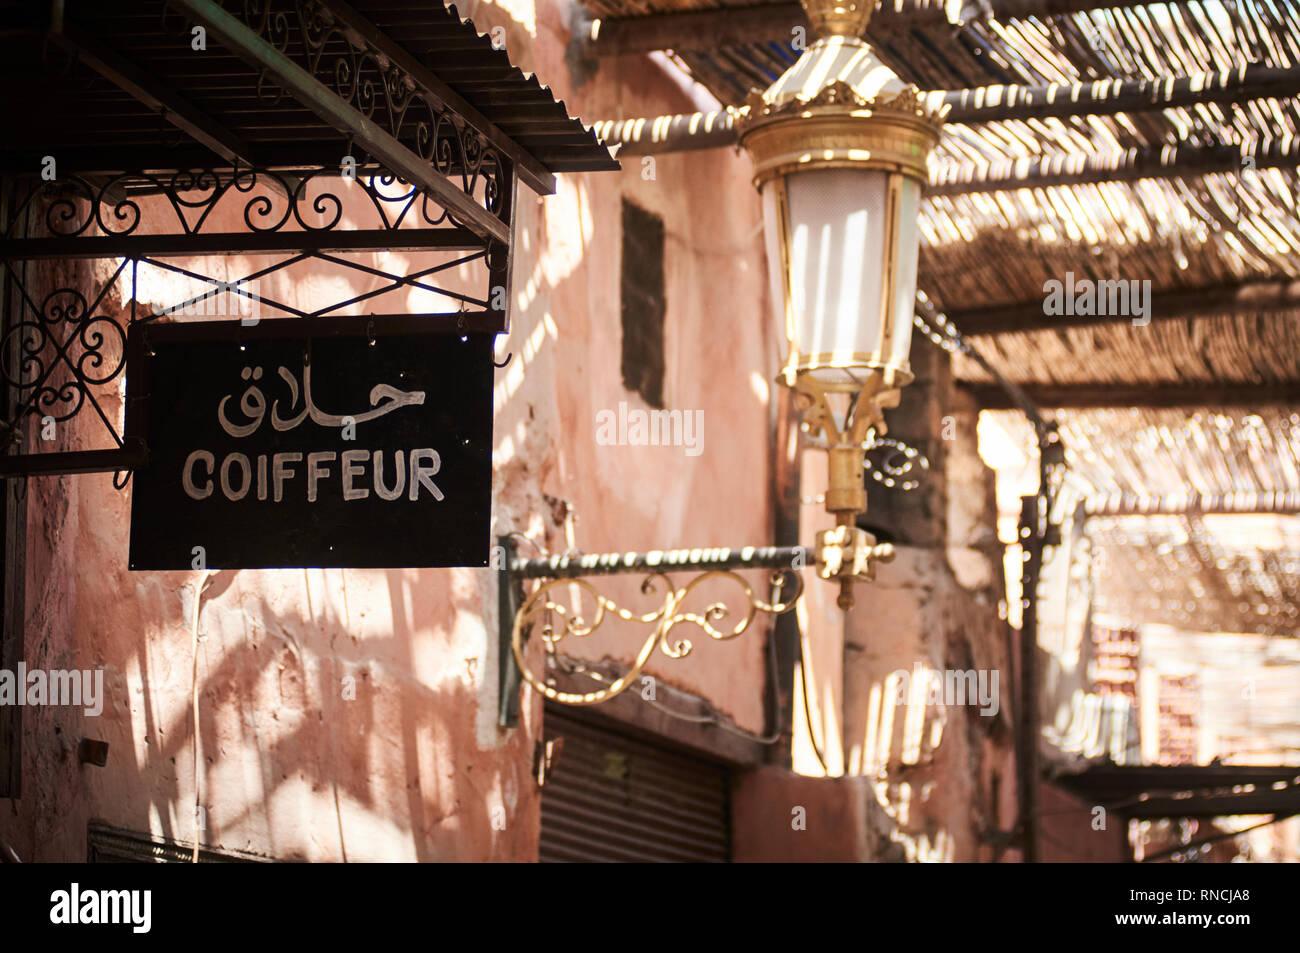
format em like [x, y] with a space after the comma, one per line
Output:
[839, 145]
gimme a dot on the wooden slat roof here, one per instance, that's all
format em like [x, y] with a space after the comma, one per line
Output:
[991, 249]
[1215, 571]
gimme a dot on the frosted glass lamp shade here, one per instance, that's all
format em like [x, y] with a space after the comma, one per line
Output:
[842, 251]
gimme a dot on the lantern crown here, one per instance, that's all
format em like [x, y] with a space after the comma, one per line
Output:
[837, 106]
[832, 61]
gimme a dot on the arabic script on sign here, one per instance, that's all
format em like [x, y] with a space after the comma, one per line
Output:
[253, 404]
[266, 475]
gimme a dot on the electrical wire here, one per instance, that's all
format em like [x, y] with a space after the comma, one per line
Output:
[807, 708]
[714, 718]
[200, 586]
[517, 534]
[954, 342]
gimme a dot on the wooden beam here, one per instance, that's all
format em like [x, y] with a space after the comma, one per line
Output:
[1229, 298]
[1159, 162]
[134, 81]
[681, 133]
[1106, 97]
[988, 104]
[330, 107]
[695, 30]
[705, 30]
[1281, 804]
[534, 174]
[686, 132]
[1076, 396]
[1278, 501]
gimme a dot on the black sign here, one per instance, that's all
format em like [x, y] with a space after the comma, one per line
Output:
[330, 442]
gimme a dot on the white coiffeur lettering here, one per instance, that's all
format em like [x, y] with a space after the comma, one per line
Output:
[382, 491]
[422, 472]
[236, 475]
[280, 471]
[315, 470]
[187, 475]
[244, 483]
[354, 465]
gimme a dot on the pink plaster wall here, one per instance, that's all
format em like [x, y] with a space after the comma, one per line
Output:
[414, 768]
[720, 359]
[782, 817]
[1070, 831]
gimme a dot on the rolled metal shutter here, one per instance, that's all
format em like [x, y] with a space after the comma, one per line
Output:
[614, 797]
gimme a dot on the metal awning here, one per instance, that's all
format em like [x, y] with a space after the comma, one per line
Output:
[111, 85]
[1212, 790]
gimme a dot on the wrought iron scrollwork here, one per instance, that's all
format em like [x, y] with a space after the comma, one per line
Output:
[38, 349]
[542, 606]
[59, 350]
[269, 201]
[895, 463]
[380, 90]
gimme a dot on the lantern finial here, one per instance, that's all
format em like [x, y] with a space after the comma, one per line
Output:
[839, 17]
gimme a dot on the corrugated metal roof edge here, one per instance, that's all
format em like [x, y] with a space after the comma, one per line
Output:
[600, 159]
